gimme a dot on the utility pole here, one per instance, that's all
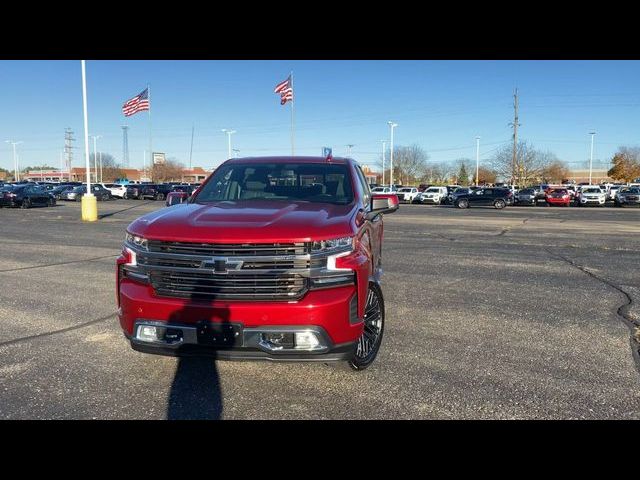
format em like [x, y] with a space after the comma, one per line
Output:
[384, 147]
[515, 125]
[68, 149]
[591, 158]
[392, 125]
[477, 160]
[236, 153]
[349, 146]
[193, 127]
[125, 146]
[95, 157]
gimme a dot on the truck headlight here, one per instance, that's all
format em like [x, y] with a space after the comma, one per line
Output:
[137, 241]
[342, 243]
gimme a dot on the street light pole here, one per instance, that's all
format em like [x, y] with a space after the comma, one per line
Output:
[16, 173]
[591, 158]
[384, 147]
[392, 125]
[229, 133]
[477, 159]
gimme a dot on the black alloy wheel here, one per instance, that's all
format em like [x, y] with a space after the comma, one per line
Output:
[499, 204]
[463, 203]
[371, 338]
[160, 196]
[26, 203]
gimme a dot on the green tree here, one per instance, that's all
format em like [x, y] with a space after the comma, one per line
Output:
[463, 174]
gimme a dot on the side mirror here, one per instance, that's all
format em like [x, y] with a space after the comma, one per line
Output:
[383, 203]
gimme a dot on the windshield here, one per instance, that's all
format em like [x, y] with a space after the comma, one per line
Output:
[526, 191]
[309, 182]
[404, 190]
[591, 190]
[632, 190]
[433, 190]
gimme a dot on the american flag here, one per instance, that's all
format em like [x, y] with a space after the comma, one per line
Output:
[137, 104]
[285, 89]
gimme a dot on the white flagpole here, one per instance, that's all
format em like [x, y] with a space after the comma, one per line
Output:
[150, 137]
[292, 131]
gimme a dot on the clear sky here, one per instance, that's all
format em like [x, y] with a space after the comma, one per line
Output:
[439, 105]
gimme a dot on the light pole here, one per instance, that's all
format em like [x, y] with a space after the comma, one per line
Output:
[95, 158]
[16, 173]
[591, 158]
[477, 159]
[229, 133]
[236, 152]
[392, 125]
[384, 147]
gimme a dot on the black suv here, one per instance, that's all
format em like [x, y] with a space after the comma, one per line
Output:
[142, 191]
[496, 197]
[26, 196]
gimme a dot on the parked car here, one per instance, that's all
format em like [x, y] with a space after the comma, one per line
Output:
[453, 194]
[174, 198]
[117, 190]
[628, 196]
[141, 191]
[60, 191]
[407, 194]
[382, 190]
[613, 191]
[526, 196]
[558, 196]
[101, 193]
[496, 197]
[591, 195]
[26, 196]
[232, 264]
[435, 195]
[189, 189]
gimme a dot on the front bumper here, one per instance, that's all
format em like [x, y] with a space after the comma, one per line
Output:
[328, 311]
[592, 201]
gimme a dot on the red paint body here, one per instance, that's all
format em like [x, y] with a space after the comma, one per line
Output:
[558, 197]
[264, 221]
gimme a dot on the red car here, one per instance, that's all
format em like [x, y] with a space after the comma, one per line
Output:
[275, 258]
[558, 196]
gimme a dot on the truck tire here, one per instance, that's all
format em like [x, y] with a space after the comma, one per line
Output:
[371, 338]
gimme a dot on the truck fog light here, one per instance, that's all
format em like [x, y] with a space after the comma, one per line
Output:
[149, 333]
[278, 340]
[306, 340]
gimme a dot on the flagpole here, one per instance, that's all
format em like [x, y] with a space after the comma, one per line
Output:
[292, 131]
[150, 136]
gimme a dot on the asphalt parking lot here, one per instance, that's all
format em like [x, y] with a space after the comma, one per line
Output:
[520, 313]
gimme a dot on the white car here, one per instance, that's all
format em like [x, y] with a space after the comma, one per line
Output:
[407, 194]
[116, 189]
[592, 196]
[382, 190]
[435, 195]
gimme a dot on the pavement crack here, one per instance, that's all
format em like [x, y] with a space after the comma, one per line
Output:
[57, 264]
[622, 311]
[55, 332]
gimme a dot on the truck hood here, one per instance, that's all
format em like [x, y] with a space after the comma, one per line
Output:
[248, 221]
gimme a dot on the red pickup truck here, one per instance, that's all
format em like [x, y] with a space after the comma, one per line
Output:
[274, 258]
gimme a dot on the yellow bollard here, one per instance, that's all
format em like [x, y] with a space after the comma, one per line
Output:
[89, 208]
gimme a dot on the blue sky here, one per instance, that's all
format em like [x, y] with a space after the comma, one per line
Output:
[439, 105]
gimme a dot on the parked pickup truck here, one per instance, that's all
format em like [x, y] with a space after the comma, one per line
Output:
[275, 258]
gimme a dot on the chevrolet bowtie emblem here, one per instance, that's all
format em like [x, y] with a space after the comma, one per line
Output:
[221, 265]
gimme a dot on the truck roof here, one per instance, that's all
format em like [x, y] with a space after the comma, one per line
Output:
[290, 159]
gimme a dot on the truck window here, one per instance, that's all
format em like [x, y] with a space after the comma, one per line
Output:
[307, 182]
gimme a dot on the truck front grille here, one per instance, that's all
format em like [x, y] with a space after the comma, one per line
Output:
[236, 287]
[275, 271]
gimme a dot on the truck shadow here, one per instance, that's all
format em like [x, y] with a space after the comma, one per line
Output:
[195, 392]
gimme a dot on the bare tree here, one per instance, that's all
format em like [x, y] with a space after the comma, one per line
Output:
[409, 164]
[626, 164]
[530, 164]
[170, 170]
[111, 170]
